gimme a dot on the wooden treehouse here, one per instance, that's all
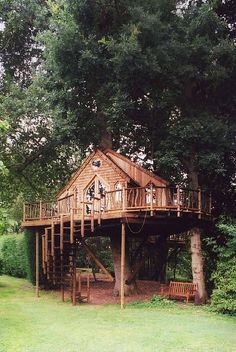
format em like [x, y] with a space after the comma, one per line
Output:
[110, 196]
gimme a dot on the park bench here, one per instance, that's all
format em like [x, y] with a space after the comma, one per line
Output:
[182, 289]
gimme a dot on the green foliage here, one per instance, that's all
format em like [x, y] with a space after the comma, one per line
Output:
[7, 223]
[224, 295]
[160, 79]
[17, 255]
[155, 302]
[13, 256]
[29, 243]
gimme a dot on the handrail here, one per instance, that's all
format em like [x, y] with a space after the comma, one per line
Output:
[153, 198]
[68, 196]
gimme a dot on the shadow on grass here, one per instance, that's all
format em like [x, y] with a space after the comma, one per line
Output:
[3, 285]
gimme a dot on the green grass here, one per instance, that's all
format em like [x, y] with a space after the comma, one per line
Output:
[30, 324]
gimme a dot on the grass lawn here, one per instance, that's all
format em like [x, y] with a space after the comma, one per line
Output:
[28, 324]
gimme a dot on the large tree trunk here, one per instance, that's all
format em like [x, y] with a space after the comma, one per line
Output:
[116, 253]
[105, 134]
[197, 264]
[196, 250]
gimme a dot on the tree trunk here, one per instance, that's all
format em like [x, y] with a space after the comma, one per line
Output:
[105, 135]
[161, 253]
[116, 253]
[196, 250]
[197, 264]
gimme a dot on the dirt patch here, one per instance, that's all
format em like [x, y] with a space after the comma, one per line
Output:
[101, 292]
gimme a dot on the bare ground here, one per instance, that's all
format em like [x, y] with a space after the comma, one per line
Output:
[101, 290]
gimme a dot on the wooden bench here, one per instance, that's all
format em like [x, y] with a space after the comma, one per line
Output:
[182, 289]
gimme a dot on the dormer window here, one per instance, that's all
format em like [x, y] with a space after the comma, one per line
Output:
[96, 164]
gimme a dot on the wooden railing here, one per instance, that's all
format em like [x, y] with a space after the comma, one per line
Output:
[172, 199]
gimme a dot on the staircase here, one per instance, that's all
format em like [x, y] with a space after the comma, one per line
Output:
[60, 243]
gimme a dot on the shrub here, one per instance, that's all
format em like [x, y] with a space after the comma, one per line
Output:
[223, 298]
[155, 302]
[13, 255]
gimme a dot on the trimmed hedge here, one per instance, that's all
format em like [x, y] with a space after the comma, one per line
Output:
[17, 255]
[13, 255]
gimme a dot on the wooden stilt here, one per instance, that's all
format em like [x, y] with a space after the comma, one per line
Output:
[61, 258]
[122, 271]
[74, 287]
[71, 226]
[43, 254]
[37, 264]
[62, 276]
[88, 289]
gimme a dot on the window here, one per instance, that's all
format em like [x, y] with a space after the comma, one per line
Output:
[96, 190]
[118, 194]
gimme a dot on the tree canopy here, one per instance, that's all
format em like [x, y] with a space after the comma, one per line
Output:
[156, 77]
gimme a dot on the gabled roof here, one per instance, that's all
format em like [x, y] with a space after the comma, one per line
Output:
[110, 153]
[115, 160]
[86, 162]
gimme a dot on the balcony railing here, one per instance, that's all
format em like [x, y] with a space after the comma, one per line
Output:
[171, 199]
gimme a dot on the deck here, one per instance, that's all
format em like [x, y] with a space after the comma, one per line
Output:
[127, 203]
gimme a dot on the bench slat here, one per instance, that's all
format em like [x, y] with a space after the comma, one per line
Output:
[182, 289]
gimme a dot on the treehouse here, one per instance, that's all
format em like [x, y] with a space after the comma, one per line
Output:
[111, 196]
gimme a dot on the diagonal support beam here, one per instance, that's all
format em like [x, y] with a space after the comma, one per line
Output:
[97, 261]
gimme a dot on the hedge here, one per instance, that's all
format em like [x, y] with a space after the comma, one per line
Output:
[17, 255]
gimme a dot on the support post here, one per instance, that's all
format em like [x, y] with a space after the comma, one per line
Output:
[43, 254]
[37, 264]
[71, 226]
[123, 199]
[74, 285]
[122, 271]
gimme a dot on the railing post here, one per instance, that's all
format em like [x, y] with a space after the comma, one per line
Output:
[178, 201]
[75, 198]
[100, 210]
[24, 211]
[82, 220]
[92, 216]
[151, 200]
[123, 199]
[40, 210]
[199, 203]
